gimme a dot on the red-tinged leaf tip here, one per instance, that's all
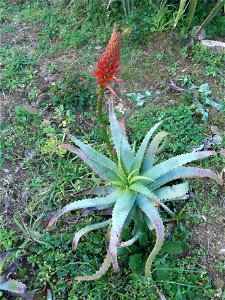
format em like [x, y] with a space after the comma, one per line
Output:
[114, 79]
[52, 221]
[111, 90]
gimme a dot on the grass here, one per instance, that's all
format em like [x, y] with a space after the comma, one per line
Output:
[50, 91]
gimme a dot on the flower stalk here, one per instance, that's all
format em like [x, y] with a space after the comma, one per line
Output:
[107, 68]
[101, 124]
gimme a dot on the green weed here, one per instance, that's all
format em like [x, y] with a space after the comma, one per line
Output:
[17, 69]
[73, 92]
[182, 123]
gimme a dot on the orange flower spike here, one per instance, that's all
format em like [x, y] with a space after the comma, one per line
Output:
[109, 63]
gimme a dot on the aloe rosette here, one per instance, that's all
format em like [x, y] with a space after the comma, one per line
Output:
[134, 188]
[14, 287]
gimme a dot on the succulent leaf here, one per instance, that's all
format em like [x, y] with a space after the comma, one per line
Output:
[98, 190]
[103, 269]
[172, 192]
[175, 162]
[122, 146]
[104, 202]
[101, 170]
[95, 208]
[148, 222]
[183, 172]
[142, 179]
[153, 149]
[95, 156]
[152, 213]
[136, 235]
[87, 229]
[141, 189]
[4, 258]
[122, 208]
[130, 216]
[13, 286]
[141, 151]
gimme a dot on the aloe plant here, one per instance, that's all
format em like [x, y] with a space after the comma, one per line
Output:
[14, 287]
[135, 188]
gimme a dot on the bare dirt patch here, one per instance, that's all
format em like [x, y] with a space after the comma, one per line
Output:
[212, 238]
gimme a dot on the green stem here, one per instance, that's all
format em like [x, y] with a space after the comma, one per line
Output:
[101, 124]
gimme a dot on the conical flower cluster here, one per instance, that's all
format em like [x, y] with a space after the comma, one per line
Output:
[109, 63]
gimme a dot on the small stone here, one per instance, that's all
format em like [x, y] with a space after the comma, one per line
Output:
[217, 139]
[46, 122]
[29, 154]
[213, 45]
[214, 129]
[219, 283]
[222, 251]
[200, 33]
[120, 107]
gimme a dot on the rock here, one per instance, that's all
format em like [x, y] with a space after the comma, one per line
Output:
[219, 283]
[198, 33]
[217, 139]
[213, 45]
[222, 251]
[214, 129]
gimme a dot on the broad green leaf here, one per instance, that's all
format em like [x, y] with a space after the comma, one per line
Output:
[130, 216]
[174, 247]
[141, 97]
[152, 213]
[122, 208]
[203, 111]
[143, 239]
[136, 263]
[139, 219]
[205, 89]
[175, 162]
[162, 274]
[214, 104]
